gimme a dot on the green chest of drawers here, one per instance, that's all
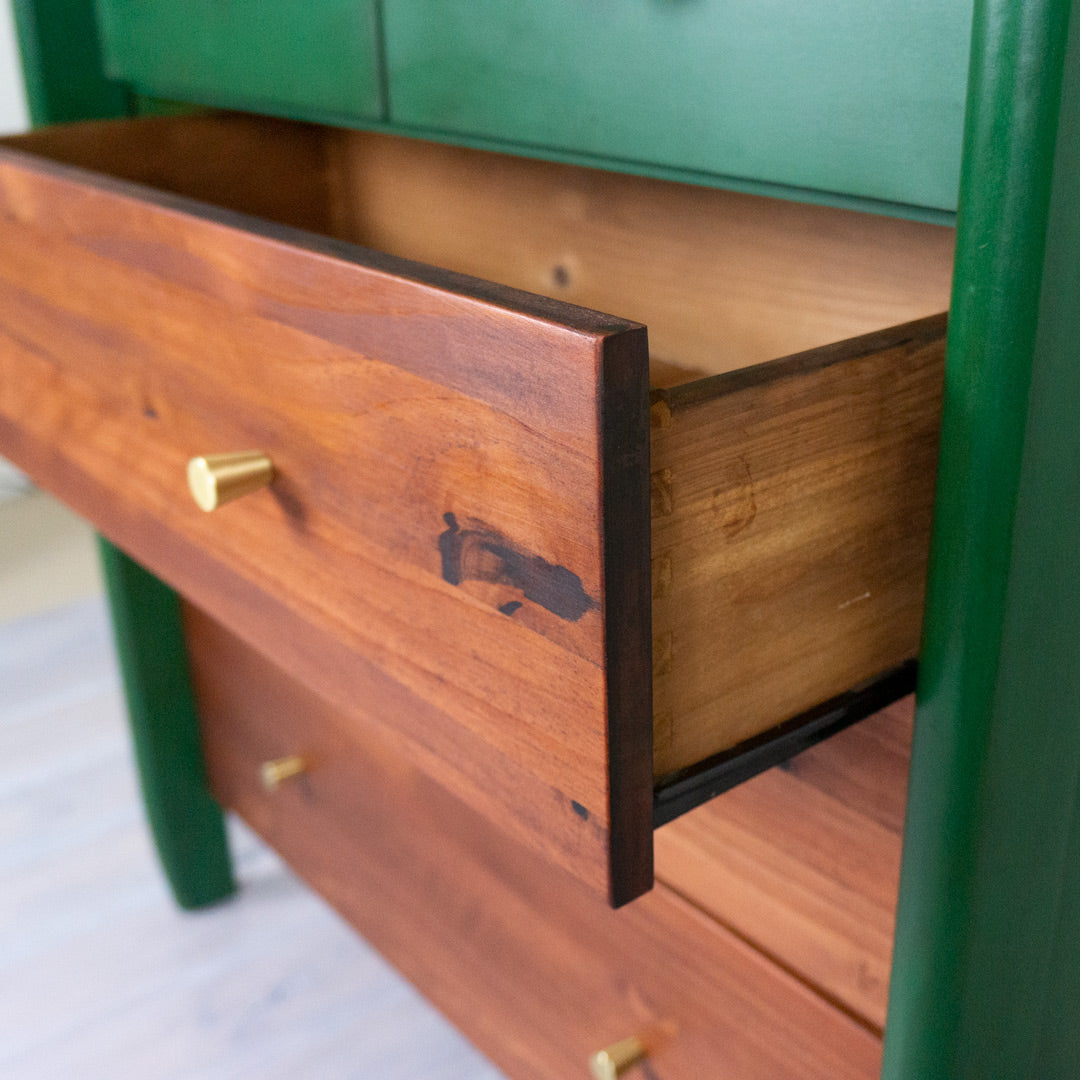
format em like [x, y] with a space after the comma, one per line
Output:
[837, 103]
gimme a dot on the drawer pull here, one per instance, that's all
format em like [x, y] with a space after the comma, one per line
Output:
[275, 772]
[614, 1060]
[219, 478]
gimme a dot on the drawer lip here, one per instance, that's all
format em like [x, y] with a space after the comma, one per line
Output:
[605, 838]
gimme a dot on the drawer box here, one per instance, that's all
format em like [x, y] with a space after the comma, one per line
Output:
[457, 543]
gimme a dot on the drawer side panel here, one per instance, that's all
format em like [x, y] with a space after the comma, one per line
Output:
[791, 529]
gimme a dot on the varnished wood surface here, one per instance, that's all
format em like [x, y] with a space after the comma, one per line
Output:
[103, 978]
[433, 543]
[791, 526]
[535, 970]
[804, 861]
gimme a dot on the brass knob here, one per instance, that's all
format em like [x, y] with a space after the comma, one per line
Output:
[276, 772]
[613, 1061]
[219, 478]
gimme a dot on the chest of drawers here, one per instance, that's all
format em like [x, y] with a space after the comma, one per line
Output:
[511, 663]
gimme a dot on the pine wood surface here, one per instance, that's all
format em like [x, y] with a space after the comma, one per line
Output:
[535, 970]
[803, 861]
[791, 527]
[434, 541]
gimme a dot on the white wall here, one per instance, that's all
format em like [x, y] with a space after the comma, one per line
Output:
[12, 118]
[12, 100]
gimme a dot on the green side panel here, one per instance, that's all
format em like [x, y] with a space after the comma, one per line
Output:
[62, 72]
[296, 58]
[187, 823]
[843, 96]
[985, 978]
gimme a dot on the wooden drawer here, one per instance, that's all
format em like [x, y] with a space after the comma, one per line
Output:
[456, 544]
[535, 970]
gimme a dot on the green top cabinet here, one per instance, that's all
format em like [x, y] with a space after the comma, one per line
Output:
[311, 61]
[832, 98]
[837, 101]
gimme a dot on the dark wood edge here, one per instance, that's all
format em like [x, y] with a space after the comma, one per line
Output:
[624, 427]
[681, 791]
[917, 334]
[532, 305]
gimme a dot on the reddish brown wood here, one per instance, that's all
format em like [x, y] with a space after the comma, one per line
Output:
[804, 861]
[450, 458]
[534, 969]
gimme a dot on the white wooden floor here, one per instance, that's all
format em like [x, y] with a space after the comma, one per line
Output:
[101, 977]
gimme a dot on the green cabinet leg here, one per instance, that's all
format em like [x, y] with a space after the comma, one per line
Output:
[187, 823]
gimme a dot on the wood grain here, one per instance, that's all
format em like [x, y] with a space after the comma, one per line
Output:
[791, 526]
[256, 165]
[433, 543]
[535, 970]
[804, 861]
[722, 280]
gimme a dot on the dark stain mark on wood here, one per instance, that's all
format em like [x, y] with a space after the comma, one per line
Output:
[510, 607]
[579, 810]
[478, 553]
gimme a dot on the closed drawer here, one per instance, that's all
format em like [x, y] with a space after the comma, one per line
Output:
[537, 972]
[840, 99]
[456, 545]
[300, 60]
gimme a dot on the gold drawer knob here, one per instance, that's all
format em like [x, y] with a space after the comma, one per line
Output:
[219, 478]
[275, 773]
[613, 1061]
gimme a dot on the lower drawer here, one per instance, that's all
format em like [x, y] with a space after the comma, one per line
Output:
[456, 544]
[537, 972]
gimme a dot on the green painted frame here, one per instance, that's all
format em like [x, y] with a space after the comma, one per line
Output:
[986, 974]
[64, 81]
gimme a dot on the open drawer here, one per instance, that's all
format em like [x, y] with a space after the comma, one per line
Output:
[456, 542]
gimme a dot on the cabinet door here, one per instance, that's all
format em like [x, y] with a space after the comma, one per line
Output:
[280, 56]
[842, 98]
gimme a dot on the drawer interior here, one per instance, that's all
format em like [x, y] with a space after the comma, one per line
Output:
[722, 280]
[791, 497]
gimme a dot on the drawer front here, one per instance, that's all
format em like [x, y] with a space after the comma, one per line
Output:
[280, 56]
[537, 972]
[847, 99]
[435, 547]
